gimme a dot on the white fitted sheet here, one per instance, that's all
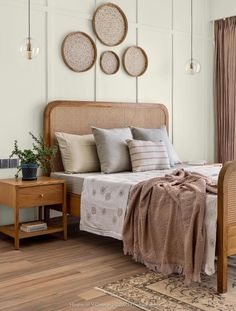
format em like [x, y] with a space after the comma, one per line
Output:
[74, 181]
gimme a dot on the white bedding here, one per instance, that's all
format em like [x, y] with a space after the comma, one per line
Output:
[74, 181]
[105, 197]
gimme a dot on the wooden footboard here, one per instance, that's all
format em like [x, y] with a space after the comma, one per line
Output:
[226, 227]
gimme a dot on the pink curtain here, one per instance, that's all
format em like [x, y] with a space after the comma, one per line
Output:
[225, 89]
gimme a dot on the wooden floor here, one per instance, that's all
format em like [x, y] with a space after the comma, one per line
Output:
[49, 274]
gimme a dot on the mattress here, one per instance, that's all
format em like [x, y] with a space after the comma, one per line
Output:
[74, 181]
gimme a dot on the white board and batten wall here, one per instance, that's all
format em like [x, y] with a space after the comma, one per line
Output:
[222, 9]
[161, 27]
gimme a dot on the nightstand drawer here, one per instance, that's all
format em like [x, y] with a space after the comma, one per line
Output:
[40, 195]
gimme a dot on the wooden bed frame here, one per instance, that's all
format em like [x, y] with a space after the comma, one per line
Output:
[78, 117]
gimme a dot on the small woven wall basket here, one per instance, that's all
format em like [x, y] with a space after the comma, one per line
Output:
[109, 62]
[79, 51]
[135, 61]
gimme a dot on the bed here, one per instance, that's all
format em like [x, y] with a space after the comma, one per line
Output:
[77, 117]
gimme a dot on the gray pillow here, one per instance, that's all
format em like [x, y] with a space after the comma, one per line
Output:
[157, 135]
[174, 154]
[112, 149]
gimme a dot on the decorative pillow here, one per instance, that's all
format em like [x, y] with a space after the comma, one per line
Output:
[78, 152]
[156, 135]
[148, 155]
[112, 149]
[169, 145]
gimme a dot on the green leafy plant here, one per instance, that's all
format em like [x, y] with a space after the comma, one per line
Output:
[40, 154]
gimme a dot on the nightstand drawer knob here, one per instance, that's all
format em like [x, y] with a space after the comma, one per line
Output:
[41, 195]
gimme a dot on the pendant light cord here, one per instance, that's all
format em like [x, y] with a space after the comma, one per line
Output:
[191, 30]
[29, 30]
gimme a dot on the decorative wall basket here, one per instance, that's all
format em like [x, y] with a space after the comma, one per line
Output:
[110, 24]
[79, 51]
[135, 61]
[109, 62]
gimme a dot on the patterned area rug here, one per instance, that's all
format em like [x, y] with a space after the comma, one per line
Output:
[152, 291]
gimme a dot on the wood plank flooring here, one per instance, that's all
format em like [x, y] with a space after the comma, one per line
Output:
[49, 274]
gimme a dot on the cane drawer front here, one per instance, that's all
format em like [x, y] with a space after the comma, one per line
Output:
[40, 195]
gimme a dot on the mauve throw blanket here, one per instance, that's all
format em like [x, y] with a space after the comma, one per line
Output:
[164, 224]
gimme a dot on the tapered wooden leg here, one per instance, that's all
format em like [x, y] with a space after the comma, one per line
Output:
[64, 214]
[46, 213]
[17, 242]
[222, 273]
[64, 219]
[40, 213]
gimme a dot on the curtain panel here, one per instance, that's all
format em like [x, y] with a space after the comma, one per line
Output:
[225, 89]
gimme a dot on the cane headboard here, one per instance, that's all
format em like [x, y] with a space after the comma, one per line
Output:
[77, 117]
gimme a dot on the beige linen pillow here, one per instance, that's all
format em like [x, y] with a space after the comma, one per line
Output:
[148, 155]
[78, 152]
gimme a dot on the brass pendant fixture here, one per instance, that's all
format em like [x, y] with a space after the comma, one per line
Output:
[193, 66]
[29, 47]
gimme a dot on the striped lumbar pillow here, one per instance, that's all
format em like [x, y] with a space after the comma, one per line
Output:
[148, 155]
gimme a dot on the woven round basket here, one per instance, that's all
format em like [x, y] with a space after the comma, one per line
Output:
[109, 62]
[79, 51]
[110, 24]
[135, 61]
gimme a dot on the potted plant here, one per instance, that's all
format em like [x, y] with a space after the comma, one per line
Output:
[30, 159]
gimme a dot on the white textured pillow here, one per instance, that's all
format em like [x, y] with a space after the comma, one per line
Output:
[156, 135]
[78, 152]
[148, 155]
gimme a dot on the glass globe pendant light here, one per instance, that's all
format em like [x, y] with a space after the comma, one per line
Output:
[193, 66]
[29, 47]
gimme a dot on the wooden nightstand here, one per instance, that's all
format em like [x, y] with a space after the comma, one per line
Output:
[19, 194]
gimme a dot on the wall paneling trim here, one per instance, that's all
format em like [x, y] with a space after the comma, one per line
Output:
[161, 27]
